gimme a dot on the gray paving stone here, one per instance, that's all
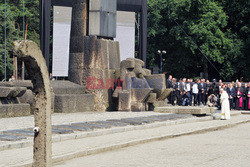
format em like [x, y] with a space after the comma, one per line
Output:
[109, 123]
[126, 121]
[4, 137]
[19, 132]
[155, 119]
[72, 127]
[139, 120]
[95, 126]
[61, 131]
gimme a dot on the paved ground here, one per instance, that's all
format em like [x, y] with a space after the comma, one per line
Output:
[229, 147]
[63, 118]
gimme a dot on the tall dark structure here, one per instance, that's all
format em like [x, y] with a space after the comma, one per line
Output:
[139, 6]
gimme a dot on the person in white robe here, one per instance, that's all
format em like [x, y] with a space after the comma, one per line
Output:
[225, 107]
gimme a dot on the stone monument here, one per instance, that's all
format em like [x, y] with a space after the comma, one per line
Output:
[93, 59]
[31, 54]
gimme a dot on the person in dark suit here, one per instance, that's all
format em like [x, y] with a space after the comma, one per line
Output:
[173, 93]
[191, 97]
[207, 91]
[231, 94]
[169, 82]
[202, 92]
[182, 88]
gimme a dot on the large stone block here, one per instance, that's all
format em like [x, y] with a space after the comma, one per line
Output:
[14, 110]
[79, 26]
[69, 103]
[140, 95]
[6, 84]
[76, 60]
[124, 101]
[77, 44]
[165, 94]
[19, 91]
[151, 98]
[114, 56]
[66, 87]
[158, 82]
[136, 106]
[23, 83]
[76, 76]
[7, 91]
[28, 97]
[184, 110]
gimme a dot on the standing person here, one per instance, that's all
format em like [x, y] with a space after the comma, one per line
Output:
[245, 97]
[239, 97]
[188, 90]
[191, 91]
[195, 92]
[173, 93]
[198, 97]
[50, 76]
[248, 96]
[202, 89]
[169, 82]
[207, 91]
[182, 89]
[179, 92]
[225, 109]
[231, 94]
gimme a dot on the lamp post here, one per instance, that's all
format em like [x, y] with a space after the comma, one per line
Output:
[161, 53]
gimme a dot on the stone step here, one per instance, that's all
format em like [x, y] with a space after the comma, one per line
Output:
[66, 87]
[69, 103]
[185, 110]
[14, 110]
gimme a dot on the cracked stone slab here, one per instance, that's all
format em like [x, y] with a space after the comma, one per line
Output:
[4, 137]
[19, 132]
[72, 127]
[109, 123]
[95, 126]
[126, 121]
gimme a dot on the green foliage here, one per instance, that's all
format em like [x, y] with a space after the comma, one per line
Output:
[14, 28]
[206, 22]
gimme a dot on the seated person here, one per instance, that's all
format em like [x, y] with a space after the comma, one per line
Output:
[185, 98]
[212, 101]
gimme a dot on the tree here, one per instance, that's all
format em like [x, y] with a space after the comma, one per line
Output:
[15, 28]
[201, 21]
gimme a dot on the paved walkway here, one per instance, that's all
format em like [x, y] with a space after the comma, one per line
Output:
[62, 118]
[224, 148]
[69, 149]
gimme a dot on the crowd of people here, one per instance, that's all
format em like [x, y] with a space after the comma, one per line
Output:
[203, 92]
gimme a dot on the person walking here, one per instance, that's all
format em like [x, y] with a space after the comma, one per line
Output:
[224, 100]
